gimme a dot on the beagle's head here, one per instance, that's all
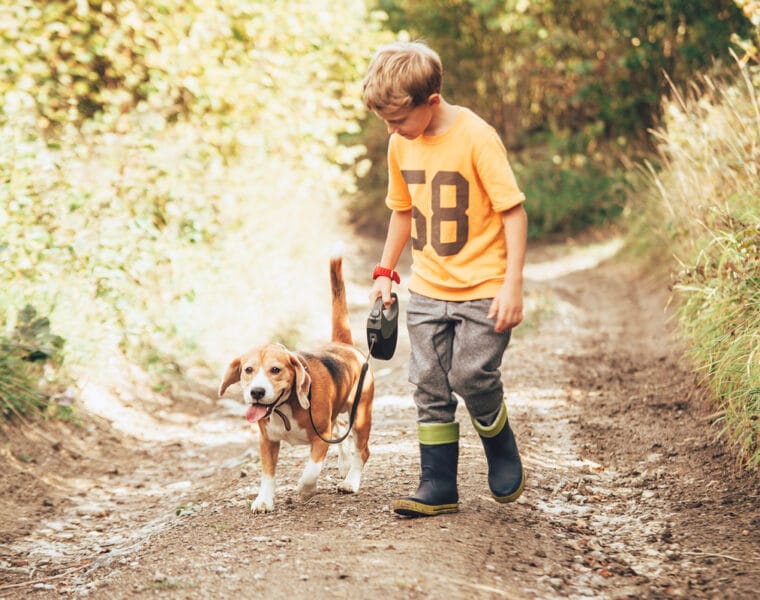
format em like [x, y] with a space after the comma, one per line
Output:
[268, 376]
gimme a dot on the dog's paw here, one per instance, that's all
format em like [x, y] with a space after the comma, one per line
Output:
[348, 486]
[262, 505]
[306, 490]
[344, 461]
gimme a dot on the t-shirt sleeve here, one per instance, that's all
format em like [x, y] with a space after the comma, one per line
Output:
[398, 197]
[496, 174]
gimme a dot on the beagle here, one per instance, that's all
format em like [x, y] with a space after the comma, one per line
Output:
[281, 386]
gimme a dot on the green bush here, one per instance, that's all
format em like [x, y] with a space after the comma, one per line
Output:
[568, 194]
[552, 65]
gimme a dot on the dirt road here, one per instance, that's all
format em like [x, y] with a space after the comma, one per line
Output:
[627, 494]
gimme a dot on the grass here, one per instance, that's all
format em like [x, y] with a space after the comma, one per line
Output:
[18, 393]
[26, 356]
[170, 583]
[701, 205]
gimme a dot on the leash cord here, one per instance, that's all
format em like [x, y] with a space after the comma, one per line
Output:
[355, 405]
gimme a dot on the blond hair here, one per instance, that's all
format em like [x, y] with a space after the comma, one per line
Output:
[401, 75]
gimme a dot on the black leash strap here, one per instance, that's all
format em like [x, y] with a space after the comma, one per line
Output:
[358, 395]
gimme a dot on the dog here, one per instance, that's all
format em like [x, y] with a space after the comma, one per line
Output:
[281, 387]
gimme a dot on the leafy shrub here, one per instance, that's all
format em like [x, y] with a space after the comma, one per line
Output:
[551, 65]
[566, 194]
[187, 212]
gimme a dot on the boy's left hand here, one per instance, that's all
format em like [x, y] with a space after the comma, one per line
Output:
[507, 307]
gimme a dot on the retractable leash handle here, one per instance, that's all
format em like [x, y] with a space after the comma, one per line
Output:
[382, 334]
[382, 329]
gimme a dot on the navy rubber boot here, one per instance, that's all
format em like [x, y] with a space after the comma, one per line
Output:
[505, 473]
[439, 457]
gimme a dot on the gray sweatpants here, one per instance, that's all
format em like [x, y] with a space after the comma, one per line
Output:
[455, 349]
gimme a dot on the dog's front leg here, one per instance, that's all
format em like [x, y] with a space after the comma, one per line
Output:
[307, 485]
[269, 451]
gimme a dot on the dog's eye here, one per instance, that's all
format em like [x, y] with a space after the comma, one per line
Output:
[275, 370]
[249, 370]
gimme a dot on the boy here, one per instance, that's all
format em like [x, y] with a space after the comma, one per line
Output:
[452, 191]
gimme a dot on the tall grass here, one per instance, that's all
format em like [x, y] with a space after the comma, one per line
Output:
[25, 357]
[702, 205]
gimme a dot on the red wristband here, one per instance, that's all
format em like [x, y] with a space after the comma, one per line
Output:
[383, 272]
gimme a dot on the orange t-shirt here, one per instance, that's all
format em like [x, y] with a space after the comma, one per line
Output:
[456, 184]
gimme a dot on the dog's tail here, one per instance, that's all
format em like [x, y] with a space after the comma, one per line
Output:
[341, 329]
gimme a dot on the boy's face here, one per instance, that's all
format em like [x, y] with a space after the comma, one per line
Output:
[410, 122]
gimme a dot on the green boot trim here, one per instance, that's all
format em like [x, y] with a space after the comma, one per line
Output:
[439, 456]
[514, 495]
[411, 508]
[435, 434]
[506, 477]
[494, 428]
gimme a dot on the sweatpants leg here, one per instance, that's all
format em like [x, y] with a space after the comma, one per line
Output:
[455, 349]
[431, 335]
[478, 351]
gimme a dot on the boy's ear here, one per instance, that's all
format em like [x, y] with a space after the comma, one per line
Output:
[434, 99]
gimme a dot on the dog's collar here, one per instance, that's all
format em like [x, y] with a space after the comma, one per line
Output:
[275, 408]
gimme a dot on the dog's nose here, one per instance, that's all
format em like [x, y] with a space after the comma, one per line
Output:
[257, 393]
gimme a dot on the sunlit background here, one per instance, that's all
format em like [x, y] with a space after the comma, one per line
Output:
[174, 174]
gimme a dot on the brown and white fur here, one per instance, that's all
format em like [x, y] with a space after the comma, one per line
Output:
[279, 385]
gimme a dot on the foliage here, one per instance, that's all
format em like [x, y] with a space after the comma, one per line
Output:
[578, 77]
[218, 63]
[27, 358]
[549, 65]
[747, 45]
[168, 207]
[566, 192]
[703, 206]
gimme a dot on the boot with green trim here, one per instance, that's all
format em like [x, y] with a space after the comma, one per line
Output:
[505, 473]
[439, 455]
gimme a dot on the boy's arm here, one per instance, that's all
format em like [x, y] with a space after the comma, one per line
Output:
[399, 231]
[507, 306]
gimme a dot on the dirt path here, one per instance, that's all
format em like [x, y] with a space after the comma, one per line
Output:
[627, 494]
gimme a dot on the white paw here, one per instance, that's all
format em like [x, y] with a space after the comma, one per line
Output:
[344, 459]
[262, 505]
[306, 489]
[348, 487]
[307, 484]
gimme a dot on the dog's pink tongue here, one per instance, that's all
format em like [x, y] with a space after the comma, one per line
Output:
[255, 412]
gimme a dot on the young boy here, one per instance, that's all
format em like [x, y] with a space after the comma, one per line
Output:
[452, 191]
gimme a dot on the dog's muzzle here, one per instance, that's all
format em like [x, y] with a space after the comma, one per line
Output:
[258, 411]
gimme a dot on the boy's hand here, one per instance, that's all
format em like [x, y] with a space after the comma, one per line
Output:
[507, 307]
[381, 288]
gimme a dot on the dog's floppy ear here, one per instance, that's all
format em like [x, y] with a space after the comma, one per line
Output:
[231, 376]
[303, 381]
